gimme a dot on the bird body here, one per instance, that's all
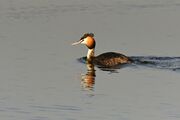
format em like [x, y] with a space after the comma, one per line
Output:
[108, 59]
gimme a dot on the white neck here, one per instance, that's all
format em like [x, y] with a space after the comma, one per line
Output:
[90, 54]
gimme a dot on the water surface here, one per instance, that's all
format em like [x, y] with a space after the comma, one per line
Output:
[41, 78]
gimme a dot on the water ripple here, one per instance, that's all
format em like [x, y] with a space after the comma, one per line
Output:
[171, 63]
[57, 107]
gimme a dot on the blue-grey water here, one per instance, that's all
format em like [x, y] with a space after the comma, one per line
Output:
[41, 78]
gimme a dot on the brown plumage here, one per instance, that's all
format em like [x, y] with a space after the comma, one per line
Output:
[110, 59]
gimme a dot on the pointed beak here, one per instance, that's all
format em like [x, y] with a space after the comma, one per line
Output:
[78, 42]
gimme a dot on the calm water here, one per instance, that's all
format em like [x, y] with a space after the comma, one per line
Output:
[41, 78]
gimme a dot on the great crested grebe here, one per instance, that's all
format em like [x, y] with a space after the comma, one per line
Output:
[108, 59]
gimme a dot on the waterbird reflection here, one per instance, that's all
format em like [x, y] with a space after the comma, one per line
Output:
[88, 80]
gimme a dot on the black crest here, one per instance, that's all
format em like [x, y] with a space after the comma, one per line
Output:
[86, 35]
